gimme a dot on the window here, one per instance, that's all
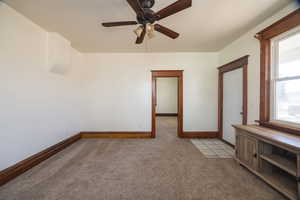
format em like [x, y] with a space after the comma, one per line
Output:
[285, 77]
[280, 74]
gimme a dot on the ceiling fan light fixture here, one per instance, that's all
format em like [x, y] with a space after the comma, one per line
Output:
[150, 31]
[151, 35]
[149, 28]
[139, 31]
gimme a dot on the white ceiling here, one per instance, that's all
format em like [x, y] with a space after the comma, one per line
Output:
[208, 26]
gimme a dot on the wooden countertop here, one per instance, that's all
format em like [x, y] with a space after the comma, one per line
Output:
[285, 139]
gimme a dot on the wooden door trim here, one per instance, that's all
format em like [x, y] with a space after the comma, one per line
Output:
[165, 74]
[236, 64]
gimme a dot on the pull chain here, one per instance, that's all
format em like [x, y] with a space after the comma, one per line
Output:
[146, 45]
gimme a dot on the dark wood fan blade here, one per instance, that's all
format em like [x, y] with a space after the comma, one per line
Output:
[135, 6]
[173, 8]
[166, 31]
[140, 39]
[111, 24]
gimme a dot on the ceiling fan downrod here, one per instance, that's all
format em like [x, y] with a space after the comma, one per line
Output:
[146, 4]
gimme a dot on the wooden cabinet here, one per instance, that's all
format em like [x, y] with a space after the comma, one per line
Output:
[247, 151]
[272, 155]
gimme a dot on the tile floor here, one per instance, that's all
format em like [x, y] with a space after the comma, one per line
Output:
[213, 148]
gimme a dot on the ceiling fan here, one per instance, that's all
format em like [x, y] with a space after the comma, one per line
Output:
[146, 18]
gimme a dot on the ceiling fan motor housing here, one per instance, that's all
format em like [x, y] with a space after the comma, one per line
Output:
[148, 17]
[147, 3]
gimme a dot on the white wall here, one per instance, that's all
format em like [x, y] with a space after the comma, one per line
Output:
[120, 91]
[248, 45]
[167, 95]
[37, 108]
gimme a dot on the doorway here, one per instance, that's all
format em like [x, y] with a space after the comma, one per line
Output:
[158, 75]
[167, 97]
[232, 98]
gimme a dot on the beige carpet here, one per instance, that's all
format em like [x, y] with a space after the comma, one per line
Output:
[166, 168]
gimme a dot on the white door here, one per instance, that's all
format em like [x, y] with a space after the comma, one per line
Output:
[232, 103]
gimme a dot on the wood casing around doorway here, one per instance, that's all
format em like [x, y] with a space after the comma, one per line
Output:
[236, 64]
[167, 74]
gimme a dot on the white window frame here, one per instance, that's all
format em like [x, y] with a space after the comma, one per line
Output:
[274, 74]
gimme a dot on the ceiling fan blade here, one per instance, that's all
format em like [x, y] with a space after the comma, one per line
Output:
[135, 6]
[140, 39]
[173, 8]
[166, 31]
[112, 24]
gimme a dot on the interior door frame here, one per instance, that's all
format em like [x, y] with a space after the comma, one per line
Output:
[236, 64]
[167, 74]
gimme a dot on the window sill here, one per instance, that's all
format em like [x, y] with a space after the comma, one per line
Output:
[280, 127]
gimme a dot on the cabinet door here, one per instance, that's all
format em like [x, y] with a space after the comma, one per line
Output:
[246, 150]
[251, 152]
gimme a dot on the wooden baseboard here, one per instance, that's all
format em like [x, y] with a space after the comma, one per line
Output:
[200, 134]
[166, 114]
[119, 135]
[227, 143]
[21, 167]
